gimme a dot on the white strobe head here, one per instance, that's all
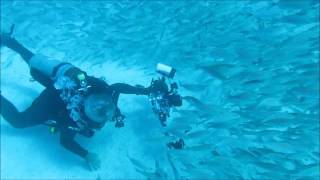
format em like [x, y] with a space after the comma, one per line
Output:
[166, 70]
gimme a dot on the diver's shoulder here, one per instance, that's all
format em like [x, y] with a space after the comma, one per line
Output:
[98, 85]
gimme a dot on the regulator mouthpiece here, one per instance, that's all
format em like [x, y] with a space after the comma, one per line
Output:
[166, 70]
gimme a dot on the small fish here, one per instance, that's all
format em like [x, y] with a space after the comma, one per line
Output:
[174, 169]
[288, 165]
[195, 132]
[309, 172]
[270, 102]
[161, 139]
[280, 147]
[137, 163]
[186, 113]
[149, 175]
[200, 173]
[181, 122]
[253, 82]
[158, 173]
[194, 87]
[297, 18]
[215, 73]
[284, 4]
[225, 165]
[188, 164]
[202, 147]
[195, 101]
[98, 177]
[222, 71]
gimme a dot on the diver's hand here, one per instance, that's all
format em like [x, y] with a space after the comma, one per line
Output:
[93, 161]
[158, 86]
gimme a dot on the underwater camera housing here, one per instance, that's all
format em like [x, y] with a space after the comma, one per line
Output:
[161, 97]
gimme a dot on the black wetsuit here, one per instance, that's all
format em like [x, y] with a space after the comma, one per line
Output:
[49, 106]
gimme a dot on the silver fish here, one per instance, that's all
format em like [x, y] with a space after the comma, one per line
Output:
[174, 168]
[157, 174]
[194, 87]
[137, 163]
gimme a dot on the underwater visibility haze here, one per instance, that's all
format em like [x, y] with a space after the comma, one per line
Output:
[247, 71]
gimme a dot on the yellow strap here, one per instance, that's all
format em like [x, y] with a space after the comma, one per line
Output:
[53, 130]
[81, 77]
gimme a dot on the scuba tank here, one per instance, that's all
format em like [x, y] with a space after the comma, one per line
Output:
[72, 84]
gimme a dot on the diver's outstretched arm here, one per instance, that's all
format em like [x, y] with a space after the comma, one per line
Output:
[10, 42]
[67, 141]
[128, 89]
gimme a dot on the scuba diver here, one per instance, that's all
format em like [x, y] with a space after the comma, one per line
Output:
[72, 101]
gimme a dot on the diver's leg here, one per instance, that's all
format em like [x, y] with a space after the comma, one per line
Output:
[17, 47]
[41, 78]
[41, 67]
[36, 61]
[38, 113]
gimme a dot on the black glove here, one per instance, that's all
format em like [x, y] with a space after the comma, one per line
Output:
[159, 85]
[179, 144]
[175, 100]
[119, 119]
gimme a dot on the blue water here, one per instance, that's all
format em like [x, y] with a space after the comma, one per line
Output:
[249, 72]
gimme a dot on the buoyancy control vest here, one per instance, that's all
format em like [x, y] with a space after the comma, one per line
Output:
[73, 87]
[71, 83]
